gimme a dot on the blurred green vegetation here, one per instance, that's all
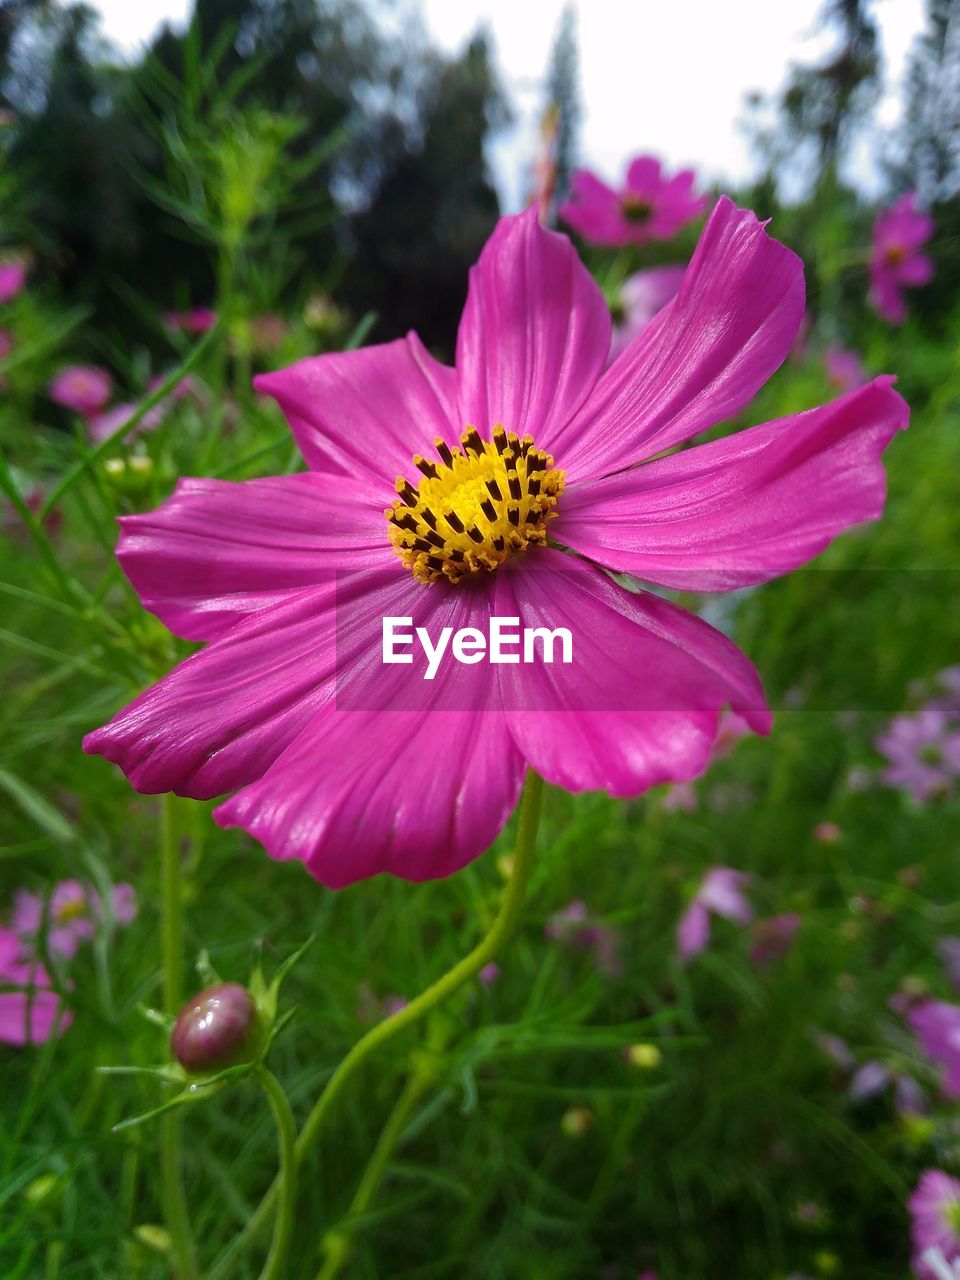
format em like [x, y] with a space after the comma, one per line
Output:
[291, 159]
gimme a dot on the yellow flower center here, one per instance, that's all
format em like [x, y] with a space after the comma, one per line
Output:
[72, 909]
[635, 208]
[474, 508]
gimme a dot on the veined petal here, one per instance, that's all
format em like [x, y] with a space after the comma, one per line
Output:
[216, 552]
[701, 359]
[534, 334]
[746, 508]
[220, 719]
[638, 705]
[367, 411]
[369, 787]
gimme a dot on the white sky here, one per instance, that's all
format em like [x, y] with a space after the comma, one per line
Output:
[666, 76]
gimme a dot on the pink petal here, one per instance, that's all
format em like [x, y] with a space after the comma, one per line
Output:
[222, 717]
[745, 508]
[693, 932]
[594, 210]
[216, 552]
[917, 269]
[31, 1018]
[702, 358]
[367, 411]
[638, 704]
[534, 335]
[415, 792]
[644, 178]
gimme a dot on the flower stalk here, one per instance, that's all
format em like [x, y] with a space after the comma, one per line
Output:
[486, 950]
[173, 1197]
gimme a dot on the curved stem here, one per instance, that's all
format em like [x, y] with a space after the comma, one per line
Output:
[273, 1268]
[338, 1243]
[485, 951]
[171, 1174]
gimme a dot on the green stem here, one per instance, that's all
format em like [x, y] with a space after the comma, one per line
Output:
[273, 1268]
[338, 1243]
[485, 951]
[174, 1198]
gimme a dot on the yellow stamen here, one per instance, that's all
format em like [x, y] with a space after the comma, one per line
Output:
[474, 508]
[72, 909]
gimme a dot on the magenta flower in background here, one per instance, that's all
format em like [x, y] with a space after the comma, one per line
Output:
[288, 579]
[572, 927]
[649, 205]
[923, 753]
[895, 259]
[13, 279]
[935, 1212]
[721, 894]
[74, 915]
[772, 939]
[196, 320]
[641, 296]
[844, 369]
[84, 388]
[936, 1024]
[31, 1012]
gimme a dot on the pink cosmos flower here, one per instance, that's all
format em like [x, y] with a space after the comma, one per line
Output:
[641, 296]
[355, 766]
[196, 320]
[844, 369]
[84, 388]
[895, 259]
[935, 1210]
[75, 913]
[720, 894]
[13, 278]
[649, 205]
[30, 1012]
[923, 753]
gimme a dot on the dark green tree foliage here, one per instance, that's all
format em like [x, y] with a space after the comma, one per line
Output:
[563, 93]
[408, 120]
[931, 131]
[428, 220]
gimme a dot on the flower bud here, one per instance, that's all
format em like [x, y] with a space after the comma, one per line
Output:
[645, 1056]
[216, 1028]
[576, 1122]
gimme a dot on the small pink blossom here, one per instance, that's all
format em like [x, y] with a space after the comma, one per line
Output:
[936, 1024]
[84, 388]
[680, 798]
[844, 369]
[895, 259]
[75, 914]
[719, 894]
[923, 753]
[489, 974]
[935, 1211]
[572, 927]
[31, 1012]
[13, 279]
[649, 205]
[196, 320]
[641, 297]
[773, 938]
[827, 833]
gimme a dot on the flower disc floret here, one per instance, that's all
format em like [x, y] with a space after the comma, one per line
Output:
[474, 508]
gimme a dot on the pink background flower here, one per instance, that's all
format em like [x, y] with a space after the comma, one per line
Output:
[84, 388]
[895, 259]
[649, 205]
